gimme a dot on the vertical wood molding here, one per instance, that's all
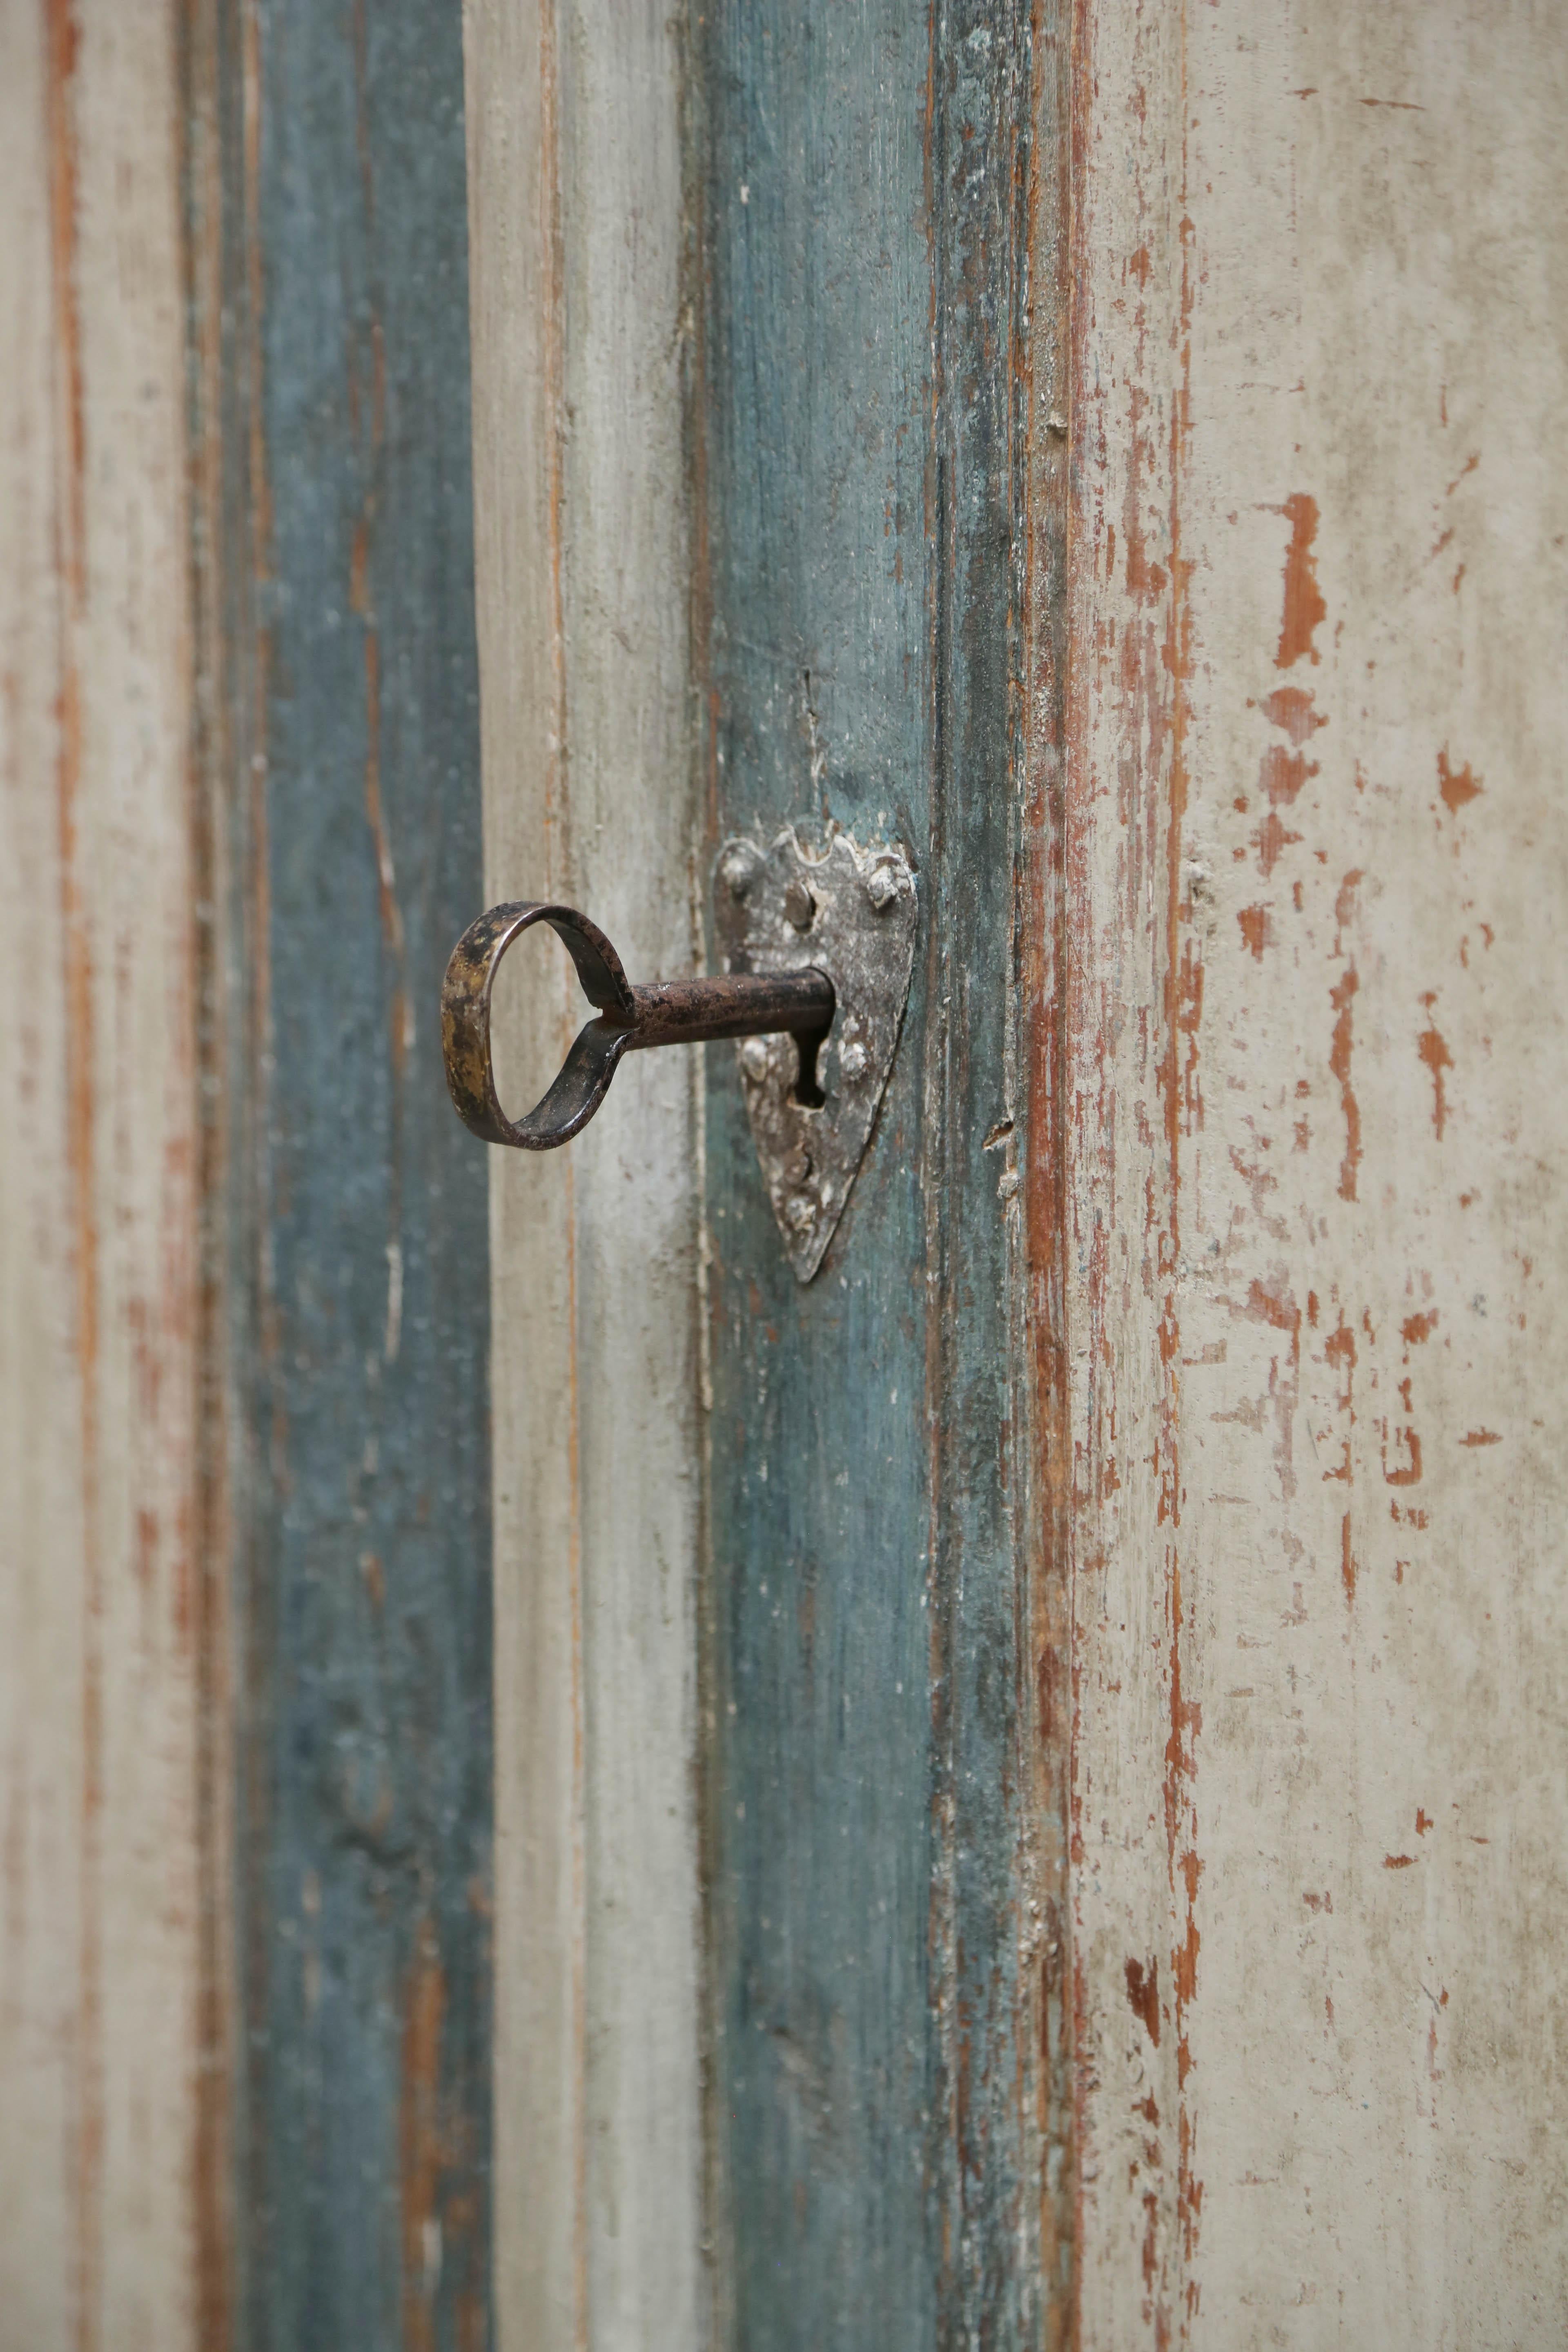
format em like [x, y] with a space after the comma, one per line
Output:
[537, 2062]
[882, 650]
[1317, 859]
[101, 1673]
[226, 1115]
[579, 351]
[338, 516]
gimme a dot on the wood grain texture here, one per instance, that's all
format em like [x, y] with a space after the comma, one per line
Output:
[338, 733]
[881, 1857]
[1317, 859]
[580, 350]
[101, 1661]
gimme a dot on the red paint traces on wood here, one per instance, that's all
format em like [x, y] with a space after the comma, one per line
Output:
[1398, 1860]
[359, 567]
[1409, 1473]
[1457, 785]
[1272, 840]
[1433, 1051]
[1423, 1821]
[1342, 998]
[1340, 1351]
[1185, 1964]
[1276, 1308]
[1189, 1013]
[1471, 462]
[144, 1551]
[1324, 1901]
[1144, 580]
[1339, 1348]
[1344, 901]
[1304, 605]
[62, 57]
[1280, 1312]
[1395, 105]
[1347, 1561]
[420, 2150]
[1256, 929]
[64, 43]
[1144, 1996]
[1416, 1330]
[1150, 2255]
[1282, 773]
[1189, 2198]
[1289, 707]
[1481, 1437]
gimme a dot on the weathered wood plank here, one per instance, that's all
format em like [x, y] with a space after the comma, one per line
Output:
[579, 354]
[338, 515]
[874, 1774]
[1318, 858]
[101, 1660]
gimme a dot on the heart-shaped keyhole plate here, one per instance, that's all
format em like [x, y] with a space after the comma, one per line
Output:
[852, 914]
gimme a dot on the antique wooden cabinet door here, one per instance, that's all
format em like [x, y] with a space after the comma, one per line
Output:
[1031, 1767]
[562, 1788]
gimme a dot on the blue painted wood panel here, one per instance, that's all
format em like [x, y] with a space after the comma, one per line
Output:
[860, 176]
[359, 1208]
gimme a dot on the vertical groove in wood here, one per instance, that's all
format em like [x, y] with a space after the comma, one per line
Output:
[80, 1190]
[102, 1647]
[1039, 1338]
[221, 1330]
[575, 204]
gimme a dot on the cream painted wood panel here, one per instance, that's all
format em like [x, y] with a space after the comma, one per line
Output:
[578, 349]
[100, 1933]
[1316, 877]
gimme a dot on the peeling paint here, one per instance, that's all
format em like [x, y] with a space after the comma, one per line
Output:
[1292, 1297]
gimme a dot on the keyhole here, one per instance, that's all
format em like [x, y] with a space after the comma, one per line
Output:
[806, 1092]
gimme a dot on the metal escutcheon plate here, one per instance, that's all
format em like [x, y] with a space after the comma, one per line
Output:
[852, 914]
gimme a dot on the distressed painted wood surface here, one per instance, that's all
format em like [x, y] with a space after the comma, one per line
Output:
[103, 2212]
[1317, 860]
[579, 351]
[1206, 1244]
[340, 720]
[877, 1828]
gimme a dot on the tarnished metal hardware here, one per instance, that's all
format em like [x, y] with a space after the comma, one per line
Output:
[854, 913]
[796, 1002]
[817, 1037]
